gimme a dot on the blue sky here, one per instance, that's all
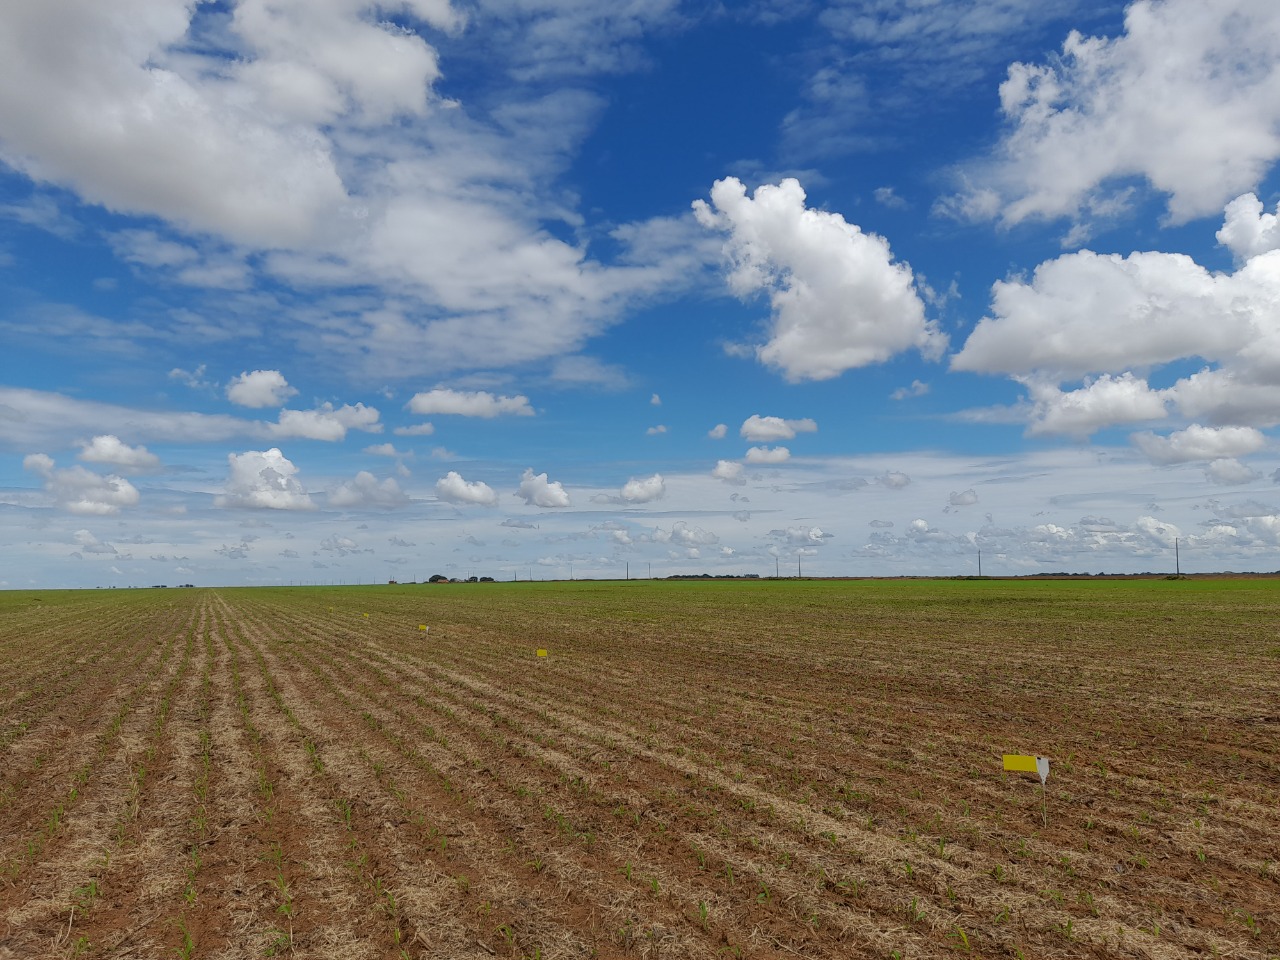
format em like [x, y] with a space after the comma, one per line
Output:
[334, 291]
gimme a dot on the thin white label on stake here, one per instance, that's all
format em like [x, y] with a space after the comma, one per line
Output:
[1042, 768]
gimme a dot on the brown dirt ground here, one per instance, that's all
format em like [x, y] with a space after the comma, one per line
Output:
[235, 774]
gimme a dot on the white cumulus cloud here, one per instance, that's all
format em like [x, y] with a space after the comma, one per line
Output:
[1246, 230]
[839, 301]
[684, 535]
[644, 490]
[1197, 442]
[326, 422]
[260, 389]
[110, 450]
[82, 491]
[145, 133]
[730, 471]
[1107, 321]
[760, 429]
[718, 432]
[454, 489]
[1156, 531]
[768, 455]
[1186, 99]
[263, 479]
[365, 490]
[1102, 402]
[1092, 313]
[538, 491]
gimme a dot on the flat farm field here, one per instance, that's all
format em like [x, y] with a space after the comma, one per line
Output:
[695, 769]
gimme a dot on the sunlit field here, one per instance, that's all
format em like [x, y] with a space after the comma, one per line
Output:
[694, 769]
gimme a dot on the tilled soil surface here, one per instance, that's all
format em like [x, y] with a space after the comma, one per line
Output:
[770, 769]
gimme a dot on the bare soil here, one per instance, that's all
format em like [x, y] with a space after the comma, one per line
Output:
[772, 769]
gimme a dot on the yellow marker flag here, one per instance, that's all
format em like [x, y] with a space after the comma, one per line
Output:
[1037, 765]
[366, 615]
[542, 653]
[422, 626]
[1024, 764]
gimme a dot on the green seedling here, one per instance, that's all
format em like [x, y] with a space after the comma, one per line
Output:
[85, 896]
[187, 948]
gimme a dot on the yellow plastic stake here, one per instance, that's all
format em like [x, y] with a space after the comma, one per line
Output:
[366, 616]
[542, 653]
[422, 626]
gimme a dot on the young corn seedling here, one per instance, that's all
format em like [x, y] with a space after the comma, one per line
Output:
[187, 947]
[85, 896]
